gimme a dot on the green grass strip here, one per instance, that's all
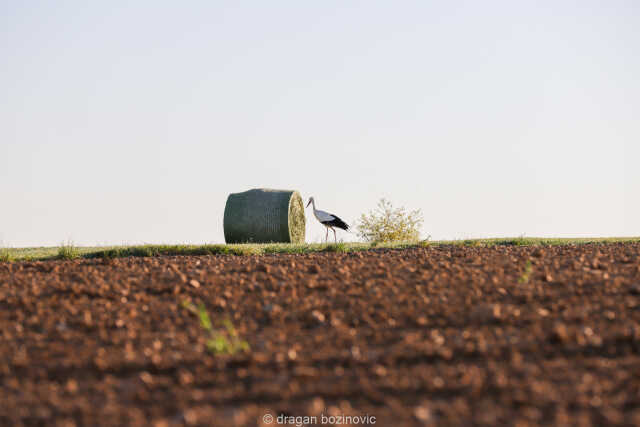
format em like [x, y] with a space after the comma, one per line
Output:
[75, 252]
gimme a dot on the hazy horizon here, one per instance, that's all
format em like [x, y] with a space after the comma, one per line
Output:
[131, 122]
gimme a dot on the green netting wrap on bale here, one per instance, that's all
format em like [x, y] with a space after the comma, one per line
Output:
[264, 216]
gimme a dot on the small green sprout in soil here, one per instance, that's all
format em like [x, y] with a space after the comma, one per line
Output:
[425, 243]
[6, 256]
[528, 269]
[336, 247]
[219, 341]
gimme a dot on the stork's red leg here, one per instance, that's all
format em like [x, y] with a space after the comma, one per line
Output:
[334, 235]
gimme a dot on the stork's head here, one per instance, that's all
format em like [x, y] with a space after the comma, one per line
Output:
[310, 201]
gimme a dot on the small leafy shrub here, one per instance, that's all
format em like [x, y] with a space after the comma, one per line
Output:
[386, 224]
[68, 251]
[219, 341]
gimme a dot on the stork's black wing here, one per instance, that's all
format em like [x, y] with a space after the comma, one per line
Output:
[336, 222]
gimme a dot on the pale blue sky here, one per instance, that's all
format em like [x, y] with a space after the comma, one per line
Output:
[131, 121]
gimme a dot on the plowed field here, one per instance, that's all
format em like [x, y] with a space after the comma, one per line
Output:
[446, 335]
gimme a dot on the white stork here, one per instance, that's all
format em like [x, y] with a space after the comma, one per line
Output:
[328, 220]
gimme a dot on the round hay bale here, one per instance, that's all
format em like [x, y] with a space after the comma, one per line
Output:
[264, 216]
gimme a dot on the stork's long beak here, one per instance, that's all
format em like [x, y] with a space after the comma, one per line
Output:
[308, 203]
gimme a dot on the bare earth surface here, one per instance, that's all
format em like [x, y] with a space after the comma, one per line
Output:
[429, 336]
